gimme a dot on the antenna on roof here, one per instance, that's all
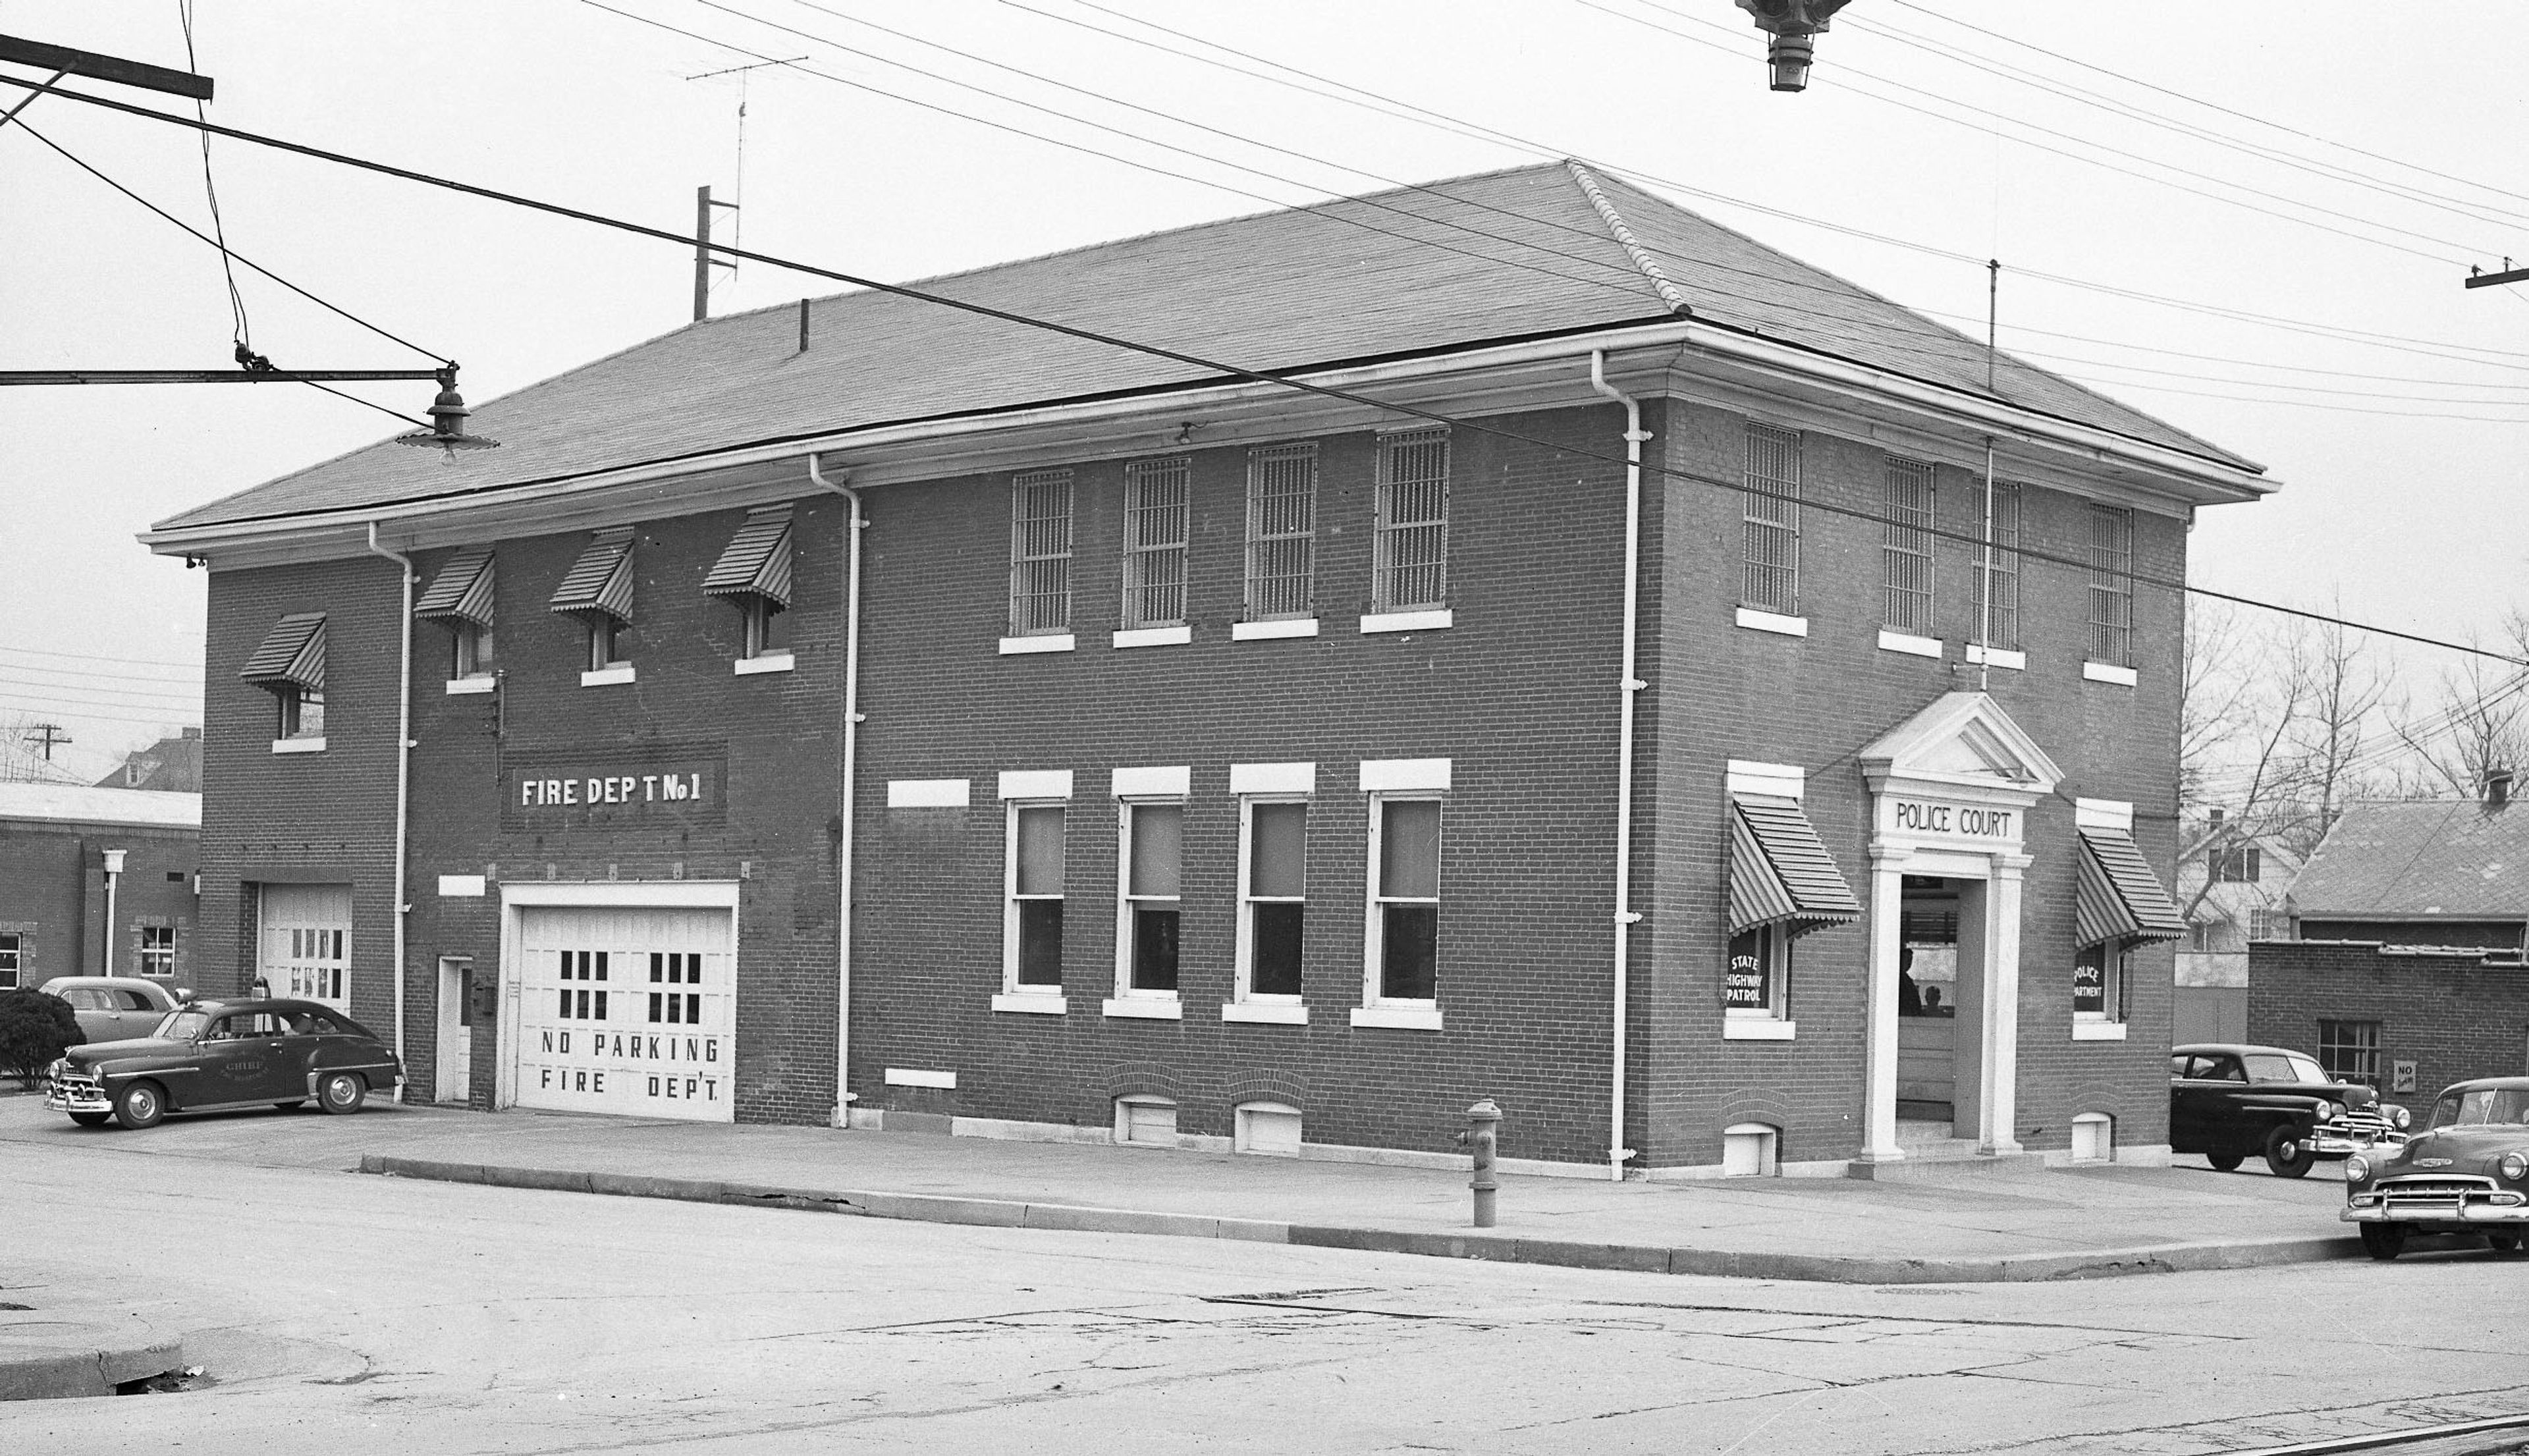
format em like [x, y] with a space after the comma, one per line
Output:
[703, 260]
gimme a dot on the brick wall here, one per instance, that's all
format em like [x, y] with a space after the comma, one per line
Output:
[2470, 934]
[2455, 1014]
[52, 895]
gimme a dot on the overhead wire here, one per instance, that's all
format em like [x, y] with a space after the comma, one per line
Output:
[83, 656]
[1212, 366]
[244, 332]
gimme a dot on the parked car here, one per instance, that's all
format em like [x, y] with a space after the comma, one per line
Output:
[115, 1008]
[2227, 1102]
[212, 1055]
[2467, 1171]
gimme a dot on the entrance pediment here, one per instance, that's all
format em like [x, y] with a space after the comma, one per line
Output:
[1962, 744]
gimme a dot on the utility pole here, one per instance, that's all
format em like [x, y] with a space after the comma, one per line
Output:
[704, 262]
[52, 734]
[2478, 278]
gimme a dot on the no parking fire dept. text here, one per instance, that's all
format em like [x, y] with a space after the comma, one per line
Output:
[637, 1056]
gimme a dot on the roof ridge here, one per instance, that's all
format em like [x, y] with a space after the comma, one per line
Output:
[1669, 291]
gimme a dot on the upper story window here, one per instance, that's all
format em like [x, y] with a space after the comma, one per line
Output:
[598, 592]
[1281, 532]
[2239, 864]
[1155, 543]
[1772, 528]
[289, 665]
[2112, 535]
[461, 597]
[12, 958]
[1908, 548]
[1040, 554]
[753, 574]
[1411, 567]
[1998, 597]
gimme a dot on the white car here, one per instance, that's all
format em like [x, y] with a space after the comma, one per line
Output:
[116, 1008]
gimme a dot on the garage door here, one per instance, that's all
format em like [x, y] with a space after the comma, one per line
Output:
[626, 1011]
[306, 934]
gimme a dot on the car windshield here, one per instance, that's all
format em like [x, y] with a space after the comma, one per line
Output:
[2485, 1107]
[2277, 1066]
[183, 1026]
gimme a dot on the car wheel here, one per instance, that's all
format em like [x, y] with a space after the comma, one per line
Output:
[2286, 1155]
[2223, 1162]
[92, 1120]
[2503, 1243]
[342, 1092]
[2384, 1240]
[140, 1105]
[291, 1105]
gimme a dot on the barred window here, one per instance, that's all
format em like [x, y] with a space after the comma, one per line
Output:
[1041, 552]
[1908, 547]
[1155, 543]
[1998, 625]
[1773, 519]
[2349, 1051]
[2111, 585]
[1281, 532]
[1412, 570]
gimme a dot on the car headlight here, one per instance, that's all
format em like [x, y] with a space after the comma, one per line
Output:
[2326, 1111]
[2515, 1165]
[2356, 1169]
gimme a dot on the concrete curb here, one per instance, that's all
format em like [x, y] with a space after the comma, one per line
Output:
[1502, 1248]
[44, 1357]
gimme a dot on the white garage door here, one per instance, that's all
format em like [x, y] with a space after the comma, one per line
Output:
[306, 934]
[626, 1011]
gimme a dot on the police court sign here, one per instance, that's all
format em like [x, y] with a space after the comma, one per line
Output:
[1949, 823]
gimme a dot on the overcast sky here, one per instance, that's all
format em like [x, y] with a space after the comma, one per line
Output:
[2252, 218]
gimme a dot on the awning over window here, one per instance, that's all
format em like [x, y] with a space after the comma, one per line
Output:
[461, 591]
[602, 580]
[293, 654]
[1780, 874]
[2118, 897]
[757, 562]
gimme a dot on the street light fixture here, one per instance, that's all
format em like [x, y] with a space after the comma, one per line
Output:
[1791, 22]
[448, 414]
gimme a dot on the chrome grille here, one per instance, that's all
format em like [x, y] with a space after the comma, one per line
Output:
[2432, 1186]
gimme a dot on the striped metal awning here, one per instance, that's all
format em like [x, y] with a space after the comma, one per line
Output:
[602, 579]
[462, 589]
[292, 652]
[1780, 874]
[757, 560]
[2118, 897]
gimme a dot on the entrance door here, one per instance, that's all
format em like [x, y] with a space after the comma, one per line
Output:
[306, 940]
[455, 1030]
[1927, 1000]
[630, 1011]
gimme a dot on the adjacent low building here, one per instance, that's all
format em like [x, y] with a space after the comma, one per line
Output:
[97, 881]
[1593, 691]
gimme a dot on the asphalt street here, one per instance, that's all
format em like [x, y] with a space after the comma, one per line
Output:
[333, 1311]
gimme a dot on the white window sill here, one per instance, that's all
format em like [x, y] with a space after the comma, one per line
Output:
[1893, 640]
[1052, 642]
[2098, 1030]
[1773, 621]
[1032, 1003]
[1409, 622]
[2109, 673]
[459, 687]
[771, 662]
[298, 745]
[607, 676]
[1758, 1029]
[1265, 631]
[1176, 636]
[1144, 1008]
[1397, 1018]
[921, 1077]
[1268, 1014]
[1999, 657]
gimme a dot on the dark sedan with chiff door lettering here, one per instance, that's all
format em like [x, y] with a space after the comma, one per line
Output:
[215, 1055]
[2467, 1172]
[2229, 1102]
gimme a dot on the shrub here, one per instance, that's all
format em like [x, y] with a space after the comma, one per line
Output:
[34, 1029]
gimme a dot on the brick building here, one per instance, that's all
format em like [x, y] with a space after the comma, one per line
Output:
[97, 880]
[1175, 756]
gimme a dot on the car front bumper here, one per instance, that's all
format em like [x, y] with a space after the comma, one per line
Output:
[76, 1095]
[2443, 1203]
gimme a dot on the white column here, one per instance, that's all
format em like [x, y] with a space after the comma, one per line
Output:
[1879, 1036]
[1998, 1103]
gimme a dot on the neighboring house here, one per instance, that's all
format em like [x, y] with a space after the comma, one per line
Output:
[1177, 757]
[95, 881]
[2408, 969]
[2234, 891]
[168, 765]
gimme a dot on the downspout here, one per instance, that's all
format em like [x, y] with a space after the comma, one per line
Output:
[852, 770]
[1626, 917]
[404, 784]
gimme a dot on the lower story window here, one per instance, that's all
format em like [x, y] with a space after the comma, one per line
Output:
[1404, 923]
[1154, 840]
[2098, 983]
[1758, 980]
[1275, 897]
[12, 953]
[157, 950]
[2350, 1051]
[1033, 946]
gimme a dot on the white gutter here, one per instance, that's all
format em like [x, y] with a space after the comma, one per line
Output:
[852, 770]
[1628, 685]
[404, 784]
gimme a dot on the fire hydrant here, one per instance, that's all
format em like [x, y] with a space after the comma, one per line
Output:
[1483, 1122]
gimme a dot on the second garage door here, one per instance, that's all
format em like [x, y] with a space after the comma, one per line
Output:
[626, 1011]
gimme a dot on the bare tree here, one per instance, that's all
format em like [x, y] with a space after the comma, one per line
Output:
[2477, 718]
